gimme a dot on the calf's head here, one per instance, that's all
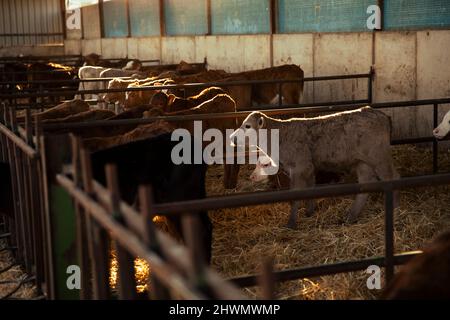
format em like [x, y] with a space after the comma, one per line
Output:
[250, 126]
[443, 128]
[265, 167]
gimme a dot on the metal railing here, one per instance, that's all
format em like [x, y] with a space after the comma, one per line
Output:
[18, 144]
[39, 92]
[176, 271]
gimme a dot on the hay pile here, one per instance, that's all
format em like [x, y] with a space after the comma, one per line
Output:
[16, 273]
[243, 236]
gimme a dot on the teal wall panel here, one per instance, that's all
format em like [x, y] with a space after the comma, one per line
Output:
[416, 14]
[185, 17]
[240, 16]
[144, 18]
[115, 23]
[323, 15]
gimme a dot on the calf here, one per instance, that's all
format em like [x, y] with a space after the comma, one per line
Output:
[174, 103]
[357, 140]
[85, 116]
[426, 276]
[142, 97]
[117, 83]
[442, 130]
[291, 92]
[148, 162]
[141, 132]
[89, 72]
[133, 113]
[63, 110]
[203, 77]
[221, 103]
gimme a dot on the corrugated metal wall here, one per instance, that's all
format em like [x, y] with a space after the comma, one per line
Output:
[323, 15]
[115, 18]
[240, 16]
[416, 14]
[144, 18]
[30, 22]
[185, 17]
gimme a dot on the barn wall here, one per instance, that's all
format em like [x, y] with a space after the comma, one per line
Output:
[409, 64]
[36, 50]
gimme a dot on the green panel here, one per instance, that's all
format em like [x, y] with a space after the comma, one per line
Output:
[115, 22]
[240, 16]
[144, 18]
[416, 14]
[323, 15]
[62, 215]
[185, 17]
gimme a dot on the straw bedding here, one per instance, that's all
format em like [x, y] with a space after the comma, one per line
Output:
[16, 273]
[243, 237]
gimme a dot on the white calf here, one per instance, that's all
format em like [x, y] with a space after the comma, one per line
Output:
[443, 128]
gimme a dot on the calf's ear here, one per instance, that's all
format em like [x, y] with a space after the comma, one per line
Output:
[261, 122]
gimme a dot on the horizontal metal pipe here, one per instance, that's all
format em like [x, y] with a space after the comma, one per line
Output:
[179, 86]
[267, 197]
[68, 81]
[325, 270]
[227, 115]
[327, 78]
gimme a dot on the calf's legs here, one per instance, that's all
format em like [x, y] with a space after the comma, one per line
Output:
[388, 172]
[365, 174]
[299, 181]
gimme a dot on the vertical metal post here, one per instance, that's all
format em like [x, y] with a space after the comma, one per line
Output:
[208, 17]
[389, 234]
[370, 85]
[267, 280]
[96, 240]
[435, 142]
[191, 228]
[157, 291]
[127, 282]
[82, 249]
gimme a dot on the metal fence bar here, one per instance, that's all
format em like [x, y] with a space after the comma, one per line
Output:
[267, 197]
[389, 234]
[150, 239]
[435, 142]
[96, 237]
[130, 241]
[324, 270]
[127, 283]
[181, 86]
[81, 236]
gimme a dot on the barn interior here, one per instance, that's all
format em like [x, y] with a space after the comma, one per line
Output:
[78, 92]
